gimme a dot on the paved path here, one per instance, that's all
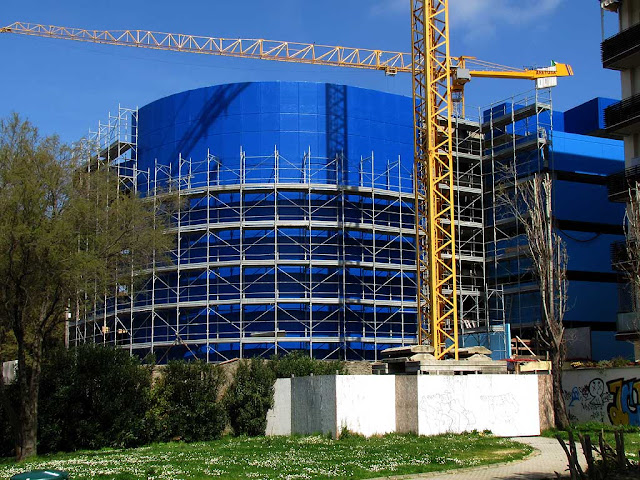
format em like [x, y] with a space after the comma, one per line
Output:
[542, 464]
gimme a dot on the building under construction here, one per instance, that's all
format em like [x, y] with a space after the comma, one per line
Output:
[296, 228]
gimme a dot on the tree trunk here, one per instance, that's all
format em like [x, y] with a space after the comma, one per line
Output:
[28, 430]
[29, 383]
[559, 405]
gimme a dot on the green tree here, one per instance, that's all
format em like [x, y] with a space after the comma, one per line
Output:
[300, 364]
[67, 231]
[250, 396]
[185, 403]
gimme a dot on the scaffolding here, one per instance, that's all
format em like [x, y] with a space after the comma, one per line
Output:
[271, 255]
[113, 144]
[480, 305]
[516, 145]
[274, 254]
[469, 224]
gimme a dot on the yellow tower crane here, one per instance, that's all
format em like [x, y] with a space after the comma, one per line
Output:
[438, 83]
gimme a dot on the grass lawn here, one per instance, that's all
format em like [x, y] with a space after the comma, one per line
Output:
[631, 436]
[282, 458]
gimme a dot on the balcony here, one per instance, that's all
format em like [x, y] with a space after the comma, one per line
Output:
[619, 256]
[623, 118]
[628, 326]
[622, 50]
[618, 184]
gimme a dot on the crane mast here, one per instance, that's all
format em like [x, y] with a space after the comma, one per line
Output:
[437, 84]
[433, 177]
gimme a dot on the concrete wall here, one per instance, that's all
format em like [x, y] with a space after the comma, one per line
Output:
[313, 405]
[508, 405]
[545, 401]
[406, 388]
[505, 404]
[9, 370]
[279, 417]
[366, 403]
[609, 396]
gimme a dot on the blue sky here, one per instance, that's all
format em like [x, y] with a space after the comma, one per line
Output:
[66, 87]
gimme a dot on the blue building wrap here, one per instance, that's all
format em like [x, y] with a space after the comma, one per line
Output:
[329, 119]
[579, 160]
[295, 229]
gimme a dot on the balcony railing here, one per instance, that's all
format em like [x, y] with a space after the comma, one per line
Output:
[623, 117]
[622, 49]
[628, 323]
[618, 184]
[619, 256]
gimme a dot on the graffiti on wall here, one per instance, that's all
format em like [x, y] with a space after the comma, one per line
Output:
[615, 401]
[588, 401]
[624, 409]
[445, 413]
[500, 408]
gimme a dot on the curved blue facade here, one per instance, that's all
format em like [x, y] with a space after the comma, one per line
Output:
[295, 229]
[328, 119]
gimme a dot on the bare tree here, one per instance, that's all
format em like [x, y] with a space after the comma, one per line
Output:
[630, 263]
[532, 206]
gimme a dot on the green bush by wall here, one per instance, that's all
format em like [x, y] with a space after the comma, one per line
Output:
[249, 397]
[93, 396]
[185, 404]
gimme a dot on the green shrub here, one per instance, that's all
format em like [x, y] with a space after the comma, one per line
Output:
[300, 364]
[346, 434]
[59, 409]
[618, 362]
[249, 397]
[185, 404]
[92, 396]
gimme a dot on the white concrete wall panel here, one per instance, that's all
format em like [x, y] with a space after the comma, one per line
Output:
[279, 416]
[366, 404]
[505, 404]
